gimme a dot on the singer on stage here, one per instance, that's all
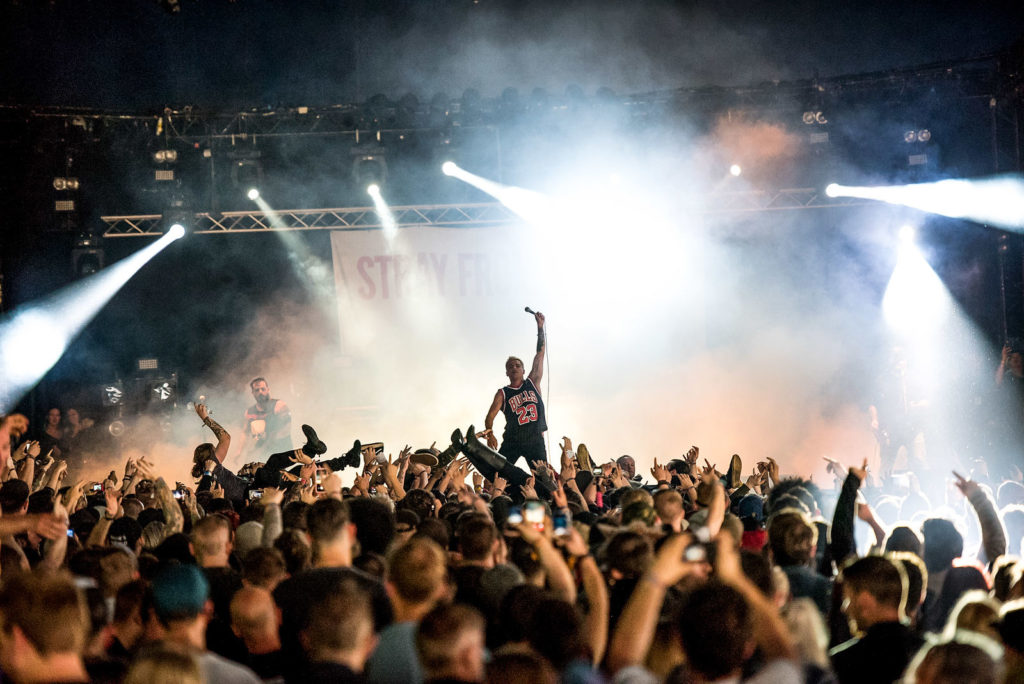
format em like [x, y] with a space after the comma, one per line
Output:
[521, 403]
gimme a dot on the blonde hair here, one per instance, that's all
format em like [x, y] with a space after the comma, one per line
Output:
[164, 666]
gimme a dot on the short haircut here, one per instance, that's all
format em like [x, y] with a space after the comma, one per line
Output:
[476, 533]
[118, 566]
[514, 358]
[417, 569]
[295, 550]
[917, 577]
[634, 496]
[439, 632]
[206, 536]
[161, 664]
[419, 501]
[942, 543]
[326, 519]
[47, 608]
[904, 538]
[631, 553]
[375, 524]
[258, 378]
[253, 611]
[125, 531]
[131, 598]
[880, 577]
[714, 628]
[340, 620]
[264, 567]
[792, 537]
[13, 495]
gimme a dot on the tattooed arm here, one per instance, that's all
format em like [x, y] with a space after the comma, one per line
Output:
[223, 438]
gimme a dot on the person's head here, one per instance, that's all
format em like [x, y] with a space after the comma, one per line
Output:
[17, 424]
[340, 627]
[180, 595]
[14, 497]
[255, 618]
[954, 662]
[874, 590]
[904, 538]
[263, 567]
[514, 369]
[375, 523]
[200, 455]
[942, 544]
[478, 537]
[669, 504]
[163, 664]
[406, 522]
[416, 572]
[520, 668]
[127, 532]
[450, 643]
[43, 617]
[917, 579]
[53, 418]
[1013, 521]
[72, 417]
[130, 607]
[1015, 364]
[627, 465]
[715, 630]
[294, 547]
[976, 611]
[260, 390]
[792, 537]
[421, 502]
[212, 541]
[331, 532]
[118, 567]
[628, 554]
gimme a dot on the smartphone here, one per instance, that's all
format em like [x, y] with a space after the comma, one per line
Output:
[255, 493]
[533, 513]
[515, 515]
[319, 485]
[71, 532]
[98, 487]
[561, 525]
[178, 493]
[374, 451]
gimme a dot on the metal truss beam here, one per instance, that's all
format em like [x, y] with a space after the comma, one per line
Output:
[439, 215]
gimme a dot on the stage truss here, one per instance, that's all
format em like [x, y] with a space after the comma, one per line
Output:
[438, 215]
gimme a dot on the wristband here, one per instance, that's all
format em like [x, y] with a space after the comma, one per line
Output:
[664, 482]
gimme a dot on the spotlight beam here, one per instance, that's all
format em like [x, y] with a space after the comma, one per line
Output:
[997, 201]
[36, 335]
[387, 218]
[527, 204]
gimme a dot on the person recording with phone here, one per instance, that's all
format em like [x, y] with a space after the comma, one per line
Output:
[521, 403]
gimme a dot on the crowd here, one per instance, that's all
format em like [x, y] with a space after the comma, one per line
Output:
[459, 565]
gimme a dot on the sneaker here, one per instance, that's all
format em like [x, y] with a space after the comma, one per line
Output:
[583, 458]
[313, 446]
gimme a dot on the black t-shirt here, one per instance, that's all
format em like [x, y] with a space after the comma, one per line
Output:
[220, 639]
[524, 413]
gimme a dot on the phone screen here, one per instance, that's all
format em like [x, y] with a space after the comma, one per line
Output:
[533, 513]
[515, 515]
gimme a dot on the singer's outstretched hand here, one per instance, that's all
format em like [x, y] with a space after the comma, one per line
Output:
[539, 318]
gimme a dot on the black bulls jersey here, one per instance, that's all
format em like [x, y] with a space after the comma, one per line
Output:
[524, 413]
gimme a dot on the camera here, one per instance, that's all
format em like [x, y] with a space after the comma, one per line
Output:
[98, 487]
[255, 493]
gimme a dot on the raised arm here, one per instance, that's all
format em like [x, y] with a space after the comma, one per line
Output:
[993, 536]
[537, 371]
[492, 412]
[223, 438]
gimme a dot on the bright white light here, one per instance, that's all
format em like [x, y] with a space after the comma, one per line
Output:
[916, 302]
[994, 201]
[449, 168]
[176, 231]
[253, 194]
[373, 189]
[33, 337]
[735, 169]
[907, 234]
[387, 219]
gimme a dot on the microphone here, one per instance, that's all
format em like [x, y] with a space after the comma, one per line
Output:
[529, 310]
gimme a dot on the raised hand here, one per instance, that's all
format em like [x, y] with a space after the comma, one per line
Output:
[112, 499]
[492, 441]
[568, 471]
[691, 455]
[527, 489]
[558, 497]
[861, 472]
[773, 470]
[660, 473]
[499, 485]
[272, 495]
[966, 487]
[202, 411]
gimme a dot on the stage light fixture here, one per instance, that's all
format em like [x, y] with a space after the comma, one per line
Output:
[832, 190]
[735, 170]
[66, 184]
[449, 168]
[176, 231]
[86, 255]
[373, 190]
[253, 194]
[113, 394]
[819, 118]
[924, 135]
[907, 234]
[910, 136]
[165, 156]
[808, 118]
